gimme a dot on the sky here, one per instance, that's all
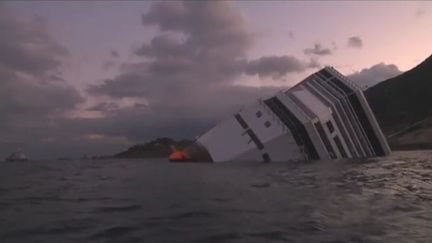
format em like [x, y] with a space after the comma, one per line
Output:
[95, 77]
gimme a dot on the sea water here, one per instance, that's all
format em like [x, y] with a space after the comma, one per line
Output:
[375, 200]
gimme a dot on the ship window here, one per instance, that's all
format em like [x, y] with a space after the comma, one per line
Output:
[259, 114]
[330, 126]
[267, 124]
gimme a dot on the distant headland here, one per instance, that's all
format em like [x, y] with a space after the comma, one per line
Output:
[157, 148]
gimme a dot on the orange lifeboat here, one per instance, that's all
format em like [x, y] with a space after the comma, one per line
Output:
[179, 156]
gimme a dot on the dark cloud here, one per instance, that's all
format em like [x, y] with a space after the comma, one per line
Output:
[29, 64]
[26, 47]
[163, 46]
[183, 81]
[178, 116]
[114, 53]
[334, 45]
[187, 73]
[32, 94]
[420, 12]
[277, 66]
[124, 85]
[355, 42]
[104, 107]
[202, 44]
[107, 65]
[368, 77]
[211, 26]
[318, 50]
[291, 34]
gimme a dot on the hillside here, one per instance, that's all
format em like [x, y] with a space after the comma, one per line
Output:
[417, 136]
[402, 101]
[158, 148]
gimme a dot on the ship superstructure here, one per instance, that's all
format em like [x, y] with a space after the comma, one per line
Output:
[326, 116]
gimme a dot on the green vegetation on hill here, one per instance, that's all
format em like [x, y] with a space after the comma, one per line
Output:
[158, 148]
[403, 107]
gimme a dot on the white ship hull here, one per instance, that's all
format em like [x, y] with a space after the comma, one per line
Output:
[323, 117]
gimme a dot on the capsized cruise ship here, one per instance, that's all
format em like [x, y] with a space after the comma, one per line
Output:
[326, 116]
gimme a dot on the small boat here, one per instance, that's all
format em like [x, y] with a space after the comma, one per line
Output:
[179, 156]
[17, 156]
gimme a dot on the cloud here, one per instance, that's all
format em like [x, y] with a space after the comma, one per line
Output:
[334, 45]
[210, 26]
[29, 67]
[420, 12]
[27, 48]
[179, 116]
[368, 77]
[107, 65]
[355, 42]
[291, 34]
[104, 107]
[201, 44]
[114, 53]
[163, 46]
[32, 93]
[277, 66]
[182, 81]
[187, 74]
[318, 50]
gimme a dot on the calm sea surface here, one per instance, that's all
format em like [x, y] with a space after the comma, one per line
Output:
[382, 200]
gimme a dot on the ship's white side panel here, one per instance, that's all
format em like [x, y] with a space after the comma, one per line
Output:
[284, 148]
[316, 140]
[251, 155]
[293, 107]
[307, 122]
[322, 111]
[278, 141]
[226, 141]
[229, 141]
[257, 124]
[324, 115]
